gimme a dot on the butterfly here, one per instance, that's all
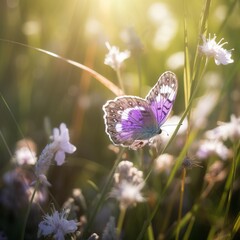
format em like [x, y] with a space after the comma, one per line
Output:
[131, 121]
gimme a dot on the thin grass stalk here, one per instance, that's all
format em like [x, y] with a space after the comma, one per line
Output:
[12, 116]
[202, 32]
[186, 73]
[28, 210]
[228, 185]
[204, 19]
[103, 192]
[150, 232]
[188, 216]
[211, 233]
[181, 202]
[104, 81]
[120, 81]
[227, 193]
[6, 145]
[120, 221]
[229, 13]
[181, 157]
[233, 175]
[189, 228]
[173, 172]
[236, 226]
[139, 76]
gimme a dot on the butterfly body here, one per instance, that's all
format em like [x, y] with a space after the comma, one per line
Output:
[131, 120]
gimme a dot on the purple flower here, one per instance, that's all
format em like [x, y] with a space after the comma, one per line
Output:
[56, 225]
[61, 144]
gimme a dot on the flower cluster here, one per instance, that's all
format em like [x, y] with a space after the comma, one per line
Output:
[214, 142]
[128, 184]
[115, 58]
[226, 131]
[26, 152]
[56, 225]
[213, 49]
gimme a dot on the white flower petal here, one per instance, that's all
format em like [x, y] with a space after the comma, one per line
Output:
[213, 49]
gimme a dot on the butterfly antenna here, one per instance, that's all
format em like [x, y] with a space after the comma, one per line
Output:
[165, 132]
[169, 125]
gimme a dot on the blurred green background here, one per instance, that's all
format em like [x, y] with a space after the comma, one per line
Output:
[42, 91]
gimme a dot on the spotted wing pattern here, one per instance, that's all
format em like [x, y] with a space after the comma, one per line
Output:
[162, 96]
[131, 121]
[129, 118]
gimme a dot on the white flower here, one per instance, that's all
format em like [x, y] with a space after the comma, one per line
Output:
[115, 58]
[61, 143]
[213, 49]
[56, 225]
[128, 184]
[127, 193]
[230, 130]
[208, 148]
[24, 155]
[163, 163]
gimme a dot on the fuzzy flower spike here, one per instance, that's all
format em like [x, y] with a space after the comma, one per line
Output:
[57, 149]
[213, 49]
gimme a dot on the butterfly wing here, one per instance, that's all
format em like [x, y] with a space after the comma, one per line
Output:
[162, 96]
[129, 119]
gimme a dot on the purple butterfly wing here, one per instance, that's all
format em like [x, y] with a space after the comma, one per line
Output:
[129, 119]
[162, 96]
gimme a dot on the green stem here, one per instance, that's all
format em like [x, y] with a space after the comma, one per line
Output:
[181, 202]
[139, 76]
[120, 220]
[28, 211]
[120, 80]
[103, 193]
[232, 174]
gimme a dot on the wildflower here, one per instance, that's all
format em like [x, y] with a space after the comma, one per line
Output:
[128, 185]
[163, 163]
[127, 193]
[25, 156]
[229, 130]
[115, 58]
[61, 143]
[213, 147]
[44, 163]
[213, 49]
[57, 148]
[189, 163]
[25, 152]
[56, 225]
